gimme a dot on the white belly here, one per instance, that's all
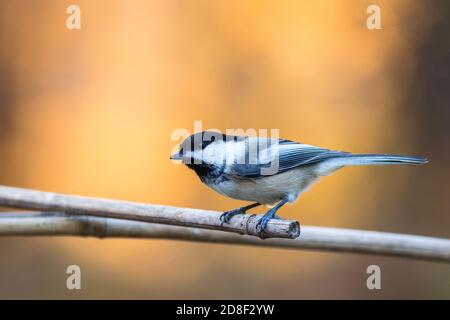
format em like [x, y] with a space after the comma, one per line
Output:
[268, 189]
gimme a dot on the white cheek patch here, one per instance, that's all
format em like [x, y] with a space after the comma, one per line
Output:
[214, 153]
[222, 153]
[235, 152]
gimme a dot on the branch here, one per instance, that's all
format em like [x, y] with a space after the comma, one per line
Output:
[312, 238]
[47, 201]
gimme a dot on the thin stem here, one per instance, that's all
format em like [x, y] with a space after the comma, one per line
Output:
[76, 205]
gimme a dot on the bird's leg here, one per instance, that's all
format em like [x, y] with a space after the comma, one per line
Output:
[262, 223]
[226, 216]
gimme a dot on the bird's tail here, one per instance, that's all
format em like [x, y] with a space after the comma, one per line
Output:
[380, 159]
[377, 159]
[348, 159]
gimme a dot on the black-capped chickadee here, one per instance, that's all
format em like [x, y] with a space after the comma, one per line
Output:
[267, 171]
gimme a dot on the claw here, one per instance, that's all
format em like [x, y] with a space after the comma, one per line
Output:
[226, 216]
[261, 225]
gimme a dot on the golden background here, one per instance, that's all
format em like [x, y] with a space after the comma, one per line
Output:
[91, 112]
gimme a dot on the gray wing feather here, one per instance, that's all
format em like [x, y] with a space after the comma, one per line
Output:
[290, 155]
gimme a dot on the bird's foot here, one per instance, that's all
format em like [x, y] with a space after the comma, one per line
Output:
[261, 225]
[226, 216]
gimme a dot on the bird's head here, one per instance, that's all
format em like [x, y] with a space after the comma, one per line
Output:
[201, 149]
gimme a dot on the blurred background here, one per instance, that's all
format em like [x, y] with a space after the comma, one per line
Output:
[91, 112]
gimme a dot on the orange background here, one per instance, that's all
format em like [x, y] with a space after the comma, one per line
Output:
[91, 112]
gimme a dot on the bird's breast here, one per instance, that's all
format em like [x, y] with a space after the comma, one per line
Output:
[265, 189]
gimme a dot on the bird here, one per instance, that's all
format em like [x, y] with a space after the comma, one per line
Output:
[267, 171]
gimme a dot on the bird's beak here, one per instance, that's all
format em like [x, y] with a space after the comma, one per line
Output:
[176, 156]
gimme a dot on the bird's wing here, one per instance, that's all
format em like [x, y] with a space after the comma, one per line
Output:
[283, 156]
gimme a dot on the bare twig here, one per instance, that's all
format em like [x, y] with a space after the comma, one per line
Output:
[312, 238]
[243, 224]
[85, 216]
